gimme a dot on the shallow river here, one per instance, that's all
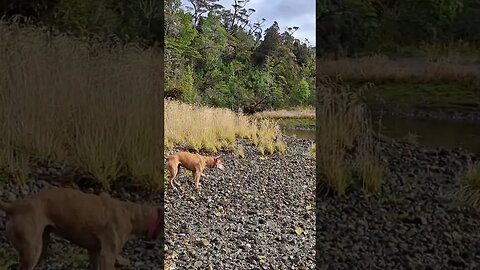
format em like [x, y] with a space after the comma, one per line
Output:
[432, 133]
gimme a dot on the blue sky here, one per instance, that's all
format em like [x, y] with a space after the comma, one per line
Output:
[287, 13]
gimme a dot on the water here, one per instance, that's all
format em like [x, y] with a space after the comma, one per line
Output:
[433, 133]
[299, 132]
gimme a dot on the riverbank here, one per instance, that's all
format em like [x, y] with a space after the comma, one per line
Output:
[433, 115]
[182, 128]
[412, 223]
[436, 87]
[295, 122]
[257, 214]
[424, 101]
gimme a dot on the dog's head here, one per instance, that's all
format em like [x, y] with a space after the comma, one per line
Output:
[217, 163]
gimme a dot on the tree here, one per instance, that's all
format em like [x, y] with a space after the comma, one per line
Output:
[466, 25]
[201, 7]
[426, 20]
[219, 48]
[301, 92]
[269, 45]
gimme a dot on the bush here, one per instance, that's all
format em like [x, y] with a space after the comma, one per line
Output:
[301, 92]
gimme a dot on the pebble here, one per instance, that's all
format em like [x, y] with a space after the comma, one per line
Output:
[409, 219]
[245, 213]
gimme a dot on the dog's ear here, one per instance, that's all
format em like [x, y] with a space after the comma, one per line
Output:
[217, 157]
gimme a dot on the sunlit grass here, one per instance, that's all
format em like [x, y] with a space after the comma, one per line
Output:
[211, 129]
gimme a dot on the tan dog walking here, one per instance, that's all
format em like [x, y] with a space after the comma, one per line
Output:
[98, 223]
[193, 162]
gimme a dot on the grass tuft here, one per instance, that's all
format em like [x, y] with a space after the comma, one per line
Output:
[240, 151]
[411, 138]
[370, 167]
[313, 151]
[469, 193]
[341, 121]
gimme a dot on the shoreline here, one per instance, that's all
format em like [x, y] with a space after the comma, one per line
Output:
[245, 195]
[425, 113]
[246, 217]
[414, 222]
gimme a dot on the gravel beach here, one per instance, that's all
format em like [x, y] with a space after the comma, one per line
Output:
[413, 223]
[61, 254]
[256, 214]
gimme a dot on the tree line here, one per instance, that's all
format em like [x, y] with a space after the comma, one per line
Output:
[214, 55]
[219, 56]
[139, 21]
[352, 27]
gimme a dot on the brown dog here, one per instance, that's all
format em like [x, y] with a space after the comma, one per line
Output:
[98, 223]
[193, 162]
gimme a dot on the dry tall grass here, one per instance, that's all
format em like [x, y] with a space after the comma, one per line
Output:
[94, 105]
[281, 114]
[379, 68]
[342, 120]
[200, 127]
[469, 193]
[370, 168]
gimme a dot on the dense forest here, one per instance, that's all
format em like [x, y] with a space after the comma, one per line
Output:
[214, 55]
[358, 27]
[219, 56]
[138, 21]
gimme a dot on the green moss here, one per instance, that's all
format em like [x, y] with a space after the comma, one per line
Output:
[296, 122]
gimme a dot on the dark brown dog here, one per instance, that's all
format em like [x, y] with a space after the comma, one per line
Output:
[98, 223]
[193, 162]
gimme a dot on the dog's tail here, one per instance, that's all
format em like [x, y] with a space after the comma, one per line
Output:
[5, 207]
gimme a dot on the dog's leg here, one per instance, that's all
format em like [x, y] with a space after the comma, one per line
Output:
[177, 173]
[172, 182]
[30, 254]
[173, 170]
[122, 261]
[26, 239]
[45, 241]
[107, 260]
[197, 176]
[93, 259]
[111, 246]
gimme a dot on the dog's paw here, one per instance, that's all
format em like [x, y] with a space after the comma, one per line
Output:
[122, 261]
